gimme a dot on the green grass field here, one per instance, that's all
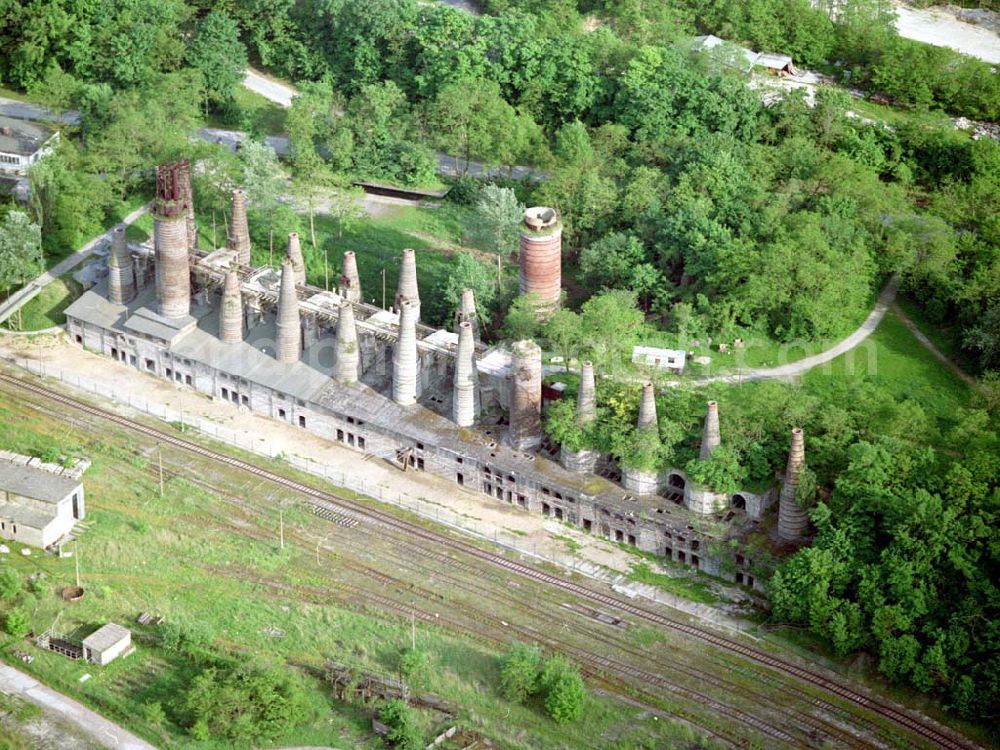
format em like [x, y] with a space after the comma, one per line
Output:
[898, 364]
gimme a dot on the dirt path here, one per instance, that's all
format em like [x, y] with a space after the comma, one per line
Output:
[929, 346]
[802, 366]
[108, 734]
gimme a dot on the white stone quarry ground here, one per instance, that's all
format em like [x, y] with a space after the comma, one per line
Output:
[940, 27]
[530, 534]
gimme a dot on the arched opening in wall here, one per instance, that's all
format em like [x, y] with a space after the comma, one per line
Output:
[676, 482]
[739, 502]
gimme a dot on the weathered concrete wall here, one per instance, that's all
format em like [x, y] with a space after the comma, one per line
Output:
[710, 439]
[231, 310]
[239, 231]
[295, 255]
[640, 482]
[350, 281]
[407, 289]
[348, 363]
[464, 399]
[703, 500]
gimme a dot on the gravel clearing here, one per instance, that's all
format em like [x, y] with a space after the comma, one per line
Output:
[942, 29]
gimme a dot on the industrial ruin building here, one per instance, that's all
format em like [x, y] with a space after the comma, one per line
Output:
[382, 382]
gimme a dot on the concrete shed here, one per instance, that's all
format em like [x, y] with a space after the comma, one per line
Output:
[664, 359]
[106, 644]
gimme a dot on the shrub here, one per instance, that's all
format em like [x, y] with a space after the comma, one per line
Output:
[562, 686]
[16, 623]
[249, 703]
[404, 734]
[10, 583]
[414, 663]
[519, 672]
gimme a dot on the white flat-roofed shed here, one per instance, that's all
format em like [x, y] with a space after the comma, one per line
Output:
[38, 507]
[664, 359]
[106, 644]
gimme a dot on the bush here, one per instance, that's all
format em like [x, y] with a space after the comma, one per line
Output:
[465, 191]
[563, 688]
[519, 672]
[10, 583]
[249, 703]
[414, 663]
[16, 623]
[189, 638]
[404, 734]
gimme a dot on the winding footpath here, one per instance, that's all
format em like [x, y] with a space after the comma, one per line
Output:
[802, 366]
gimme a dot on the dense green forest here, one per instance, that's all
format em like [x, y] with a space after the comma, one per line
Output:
[701, 210]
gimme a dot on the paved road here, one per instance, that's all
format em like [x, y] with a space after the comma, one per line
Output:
[108, 734]
[27, 111]
[282, 94]
[270, 88]
[33, 287]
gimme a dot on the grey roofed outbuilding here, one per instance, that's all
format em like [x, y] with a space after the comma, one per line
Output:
[37, 484]
[105, 637]
[92, 308]
[21, 136]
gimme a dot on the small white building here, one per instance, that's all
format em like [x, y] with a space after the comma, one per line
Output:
[39, 502]
[107, 643]
[22, 143]
[664, 359]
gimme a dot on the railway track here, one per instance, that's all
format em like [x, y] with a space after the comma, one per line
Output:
[352, 509]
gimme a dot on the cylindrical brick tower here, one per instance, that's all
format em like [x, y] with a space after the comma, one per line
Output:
[466, 313]
[184, 176]
[239, 230]
[792, 519]
[231, 312]
[541, 257]
[404, 357]
[584, 460]
[710, 438]
[526, 396]
[348, 354]
[464, 392]
[170, 242]
[295, 255]
[407, 288]
[647, 408]
[350, 282]
[289, 327]
[121, 275]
